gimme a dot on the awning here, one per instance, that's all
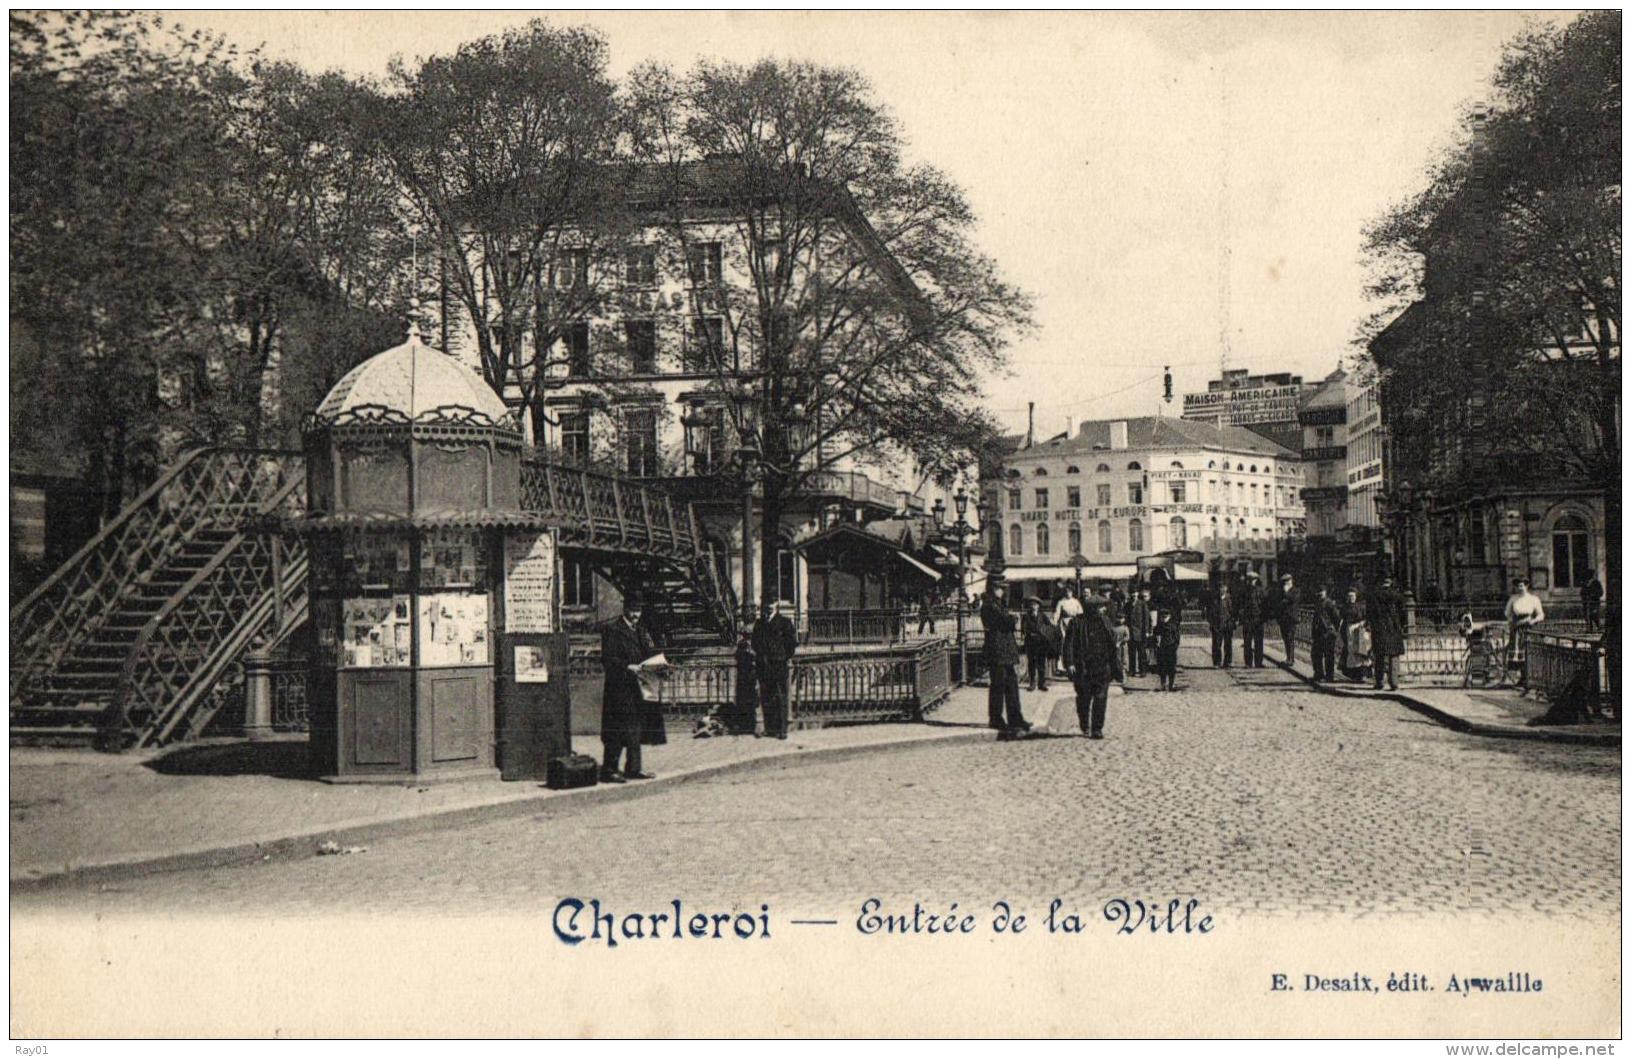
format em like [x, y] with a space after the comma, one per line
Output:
[1188, 572]
[1107, 571]
[928, 571]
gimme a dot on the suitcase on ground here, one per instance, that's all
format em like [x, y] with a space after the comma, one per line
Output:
[571, 770]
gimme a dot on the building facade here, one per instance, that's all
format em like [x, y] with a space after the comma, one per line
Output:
[1114, 492]
[660, 376]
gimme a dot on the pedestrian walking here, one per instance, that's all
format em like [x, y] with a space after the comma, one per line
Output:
[1287, 609]
[1219, 609]
[1252, 613]
[1123, 641]
[775, 641]
[1386, 619]
[925, 614]
[1167, 636]
[1139, 623]
[1090, 659]
[1001, 655]
[1355, 644]
[1034, 631]
[626, 719]
[1591, 598]
[744, 719]
[1327, 628]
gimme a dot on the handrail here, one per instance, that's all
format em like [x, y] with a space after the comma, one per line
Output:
[128, 512]
[127, 671]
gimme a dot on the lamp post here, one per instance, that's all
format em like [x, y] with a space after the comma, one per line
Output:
[962, 529]
[1078, 561]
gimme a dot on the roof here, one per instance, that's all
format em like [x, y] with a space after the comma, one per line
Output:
[1329, 392]
[412, 379]
[1154, 432]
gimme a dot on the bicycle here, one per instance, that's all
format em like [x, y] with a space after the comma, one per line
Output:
[1486, 659]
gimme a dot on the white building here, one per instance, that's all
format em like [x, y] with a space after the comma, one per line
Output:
[1117, 491]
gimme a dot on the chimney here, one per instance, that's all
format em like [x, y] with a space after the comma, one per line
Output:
[1030, 424]
[1118, 434]
[1070, 426]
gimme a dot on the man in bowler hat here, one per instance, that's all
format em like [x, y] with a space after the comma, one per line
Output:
[774, 642]
[1001, 655]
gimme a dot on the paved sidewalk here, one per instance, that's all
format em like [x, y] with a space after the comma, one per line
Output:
[79, 810]
[1499, 712]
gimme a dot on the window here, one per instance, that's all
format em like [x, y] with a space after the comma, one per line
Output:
[1134, 466]
[640, 442]
[1135, 535]
[1104, 495]
[706, 349]
[640, 267]
[575, 436]
[1571, 552]
[1042, 498]
[1135, 493]
[1016, 541]
[1213, 540]
[1105, 543]
[1073, 496]
[1178, 531]
[1075, 536]
[1240, 494]
[1478, 549]
[1041, 472]
[577, 584]
[705, 439]
[1013, 500]
[641, 338]
[704, 260]
[577, 349]
[572, 270]
[1177, 490]
[1042, 538]
[1103, 468]
[1073, 469]
[1177, 466]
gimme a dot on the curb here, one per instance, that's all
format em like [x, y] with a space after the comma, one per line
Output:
[543, 805]
[1461, 724]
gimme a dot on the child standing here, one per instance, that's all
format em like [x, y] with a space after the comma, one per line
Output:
[1122, 634]
[1166, 650]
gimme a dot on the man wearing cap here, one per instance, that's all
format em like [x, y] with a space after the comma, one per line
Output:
[1253, 608]
[1385, 612]
[622, 713]
[1287, 601]
[774, 643]
[1092, 662]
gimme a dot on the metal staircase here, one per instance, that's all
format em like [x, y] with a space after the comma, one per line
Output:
[124, 643]
[130, 633]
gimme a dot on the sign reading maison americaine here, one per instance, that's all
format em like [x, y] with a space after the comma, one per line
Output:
[1261, 404]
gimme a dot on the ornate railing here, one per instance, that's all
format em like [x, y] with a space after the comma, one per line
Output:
[854, 626]
[201, 491]
[606, 513]
[1557, 664]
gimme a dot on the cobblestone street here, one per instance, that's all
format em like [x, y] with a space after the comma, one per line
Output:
[1244, 789]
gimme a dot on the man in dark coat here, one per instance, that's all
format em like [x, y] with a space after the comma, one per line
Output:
[1220, 618]
[1034, 631]
[1285, 606]
[1139, 624]
[1252, 613]
[1327, 627]
[1090, 659]
[774, 641]
[1591, 598]
[625, 717]
[1385, 612]
[1001, 655]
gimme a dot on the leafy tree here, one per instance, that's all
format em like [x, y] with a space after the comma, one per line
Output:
[856, 315]
[1508, 363]
[503, 150]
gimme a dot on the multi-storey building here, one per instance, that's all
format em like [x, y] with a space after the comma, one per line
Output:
[1113, 492]
[657, 377]
[1323, 415]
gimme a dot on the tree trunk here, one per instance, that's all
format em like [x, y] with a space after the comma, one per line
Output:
[1611, 610]
[770, 527]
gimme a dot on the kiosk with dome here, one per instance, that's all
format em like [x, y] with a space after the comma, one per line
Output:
[436, 650]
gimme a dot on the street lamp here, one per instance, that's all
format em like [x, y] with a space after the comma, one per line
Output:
[962, 529]
[1078, 561]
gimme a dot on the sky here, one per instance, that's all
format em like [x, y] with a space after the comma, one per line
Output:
[1172, 188]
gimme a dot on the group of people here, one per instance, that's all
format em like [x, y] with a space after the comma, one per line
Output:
[630, 720]
[1098, 640]
[1363, 634]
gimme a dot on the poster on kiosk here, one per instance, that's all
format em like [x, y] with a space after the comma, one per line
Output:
[533, 697]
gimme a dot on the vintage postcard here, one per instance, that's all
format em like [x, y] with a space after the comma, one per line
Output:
[1128, 504]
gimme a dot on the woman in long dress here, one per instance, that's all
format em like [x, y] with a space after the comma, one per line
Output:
[1355, 638]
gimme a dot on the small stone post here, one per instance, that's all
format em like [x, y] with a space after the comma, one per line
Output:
[257, 695]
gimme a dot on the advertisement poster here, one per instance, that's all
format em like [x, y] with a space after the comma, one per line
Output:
[529, 582]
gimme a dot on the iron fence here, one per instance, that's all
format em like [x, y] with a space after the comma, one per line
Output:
[855, 626]
[1557, 664]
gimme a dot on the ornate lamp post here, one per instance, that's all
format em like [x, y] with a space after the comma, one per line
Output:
[962, 529]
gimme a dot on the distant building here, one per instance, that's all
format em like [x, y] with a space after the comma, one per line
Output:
[1323, 416]
[1267, 404]
[1117, 491]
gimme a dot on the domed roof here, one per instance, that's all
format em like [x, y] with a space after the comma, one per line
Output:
[410, 380]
